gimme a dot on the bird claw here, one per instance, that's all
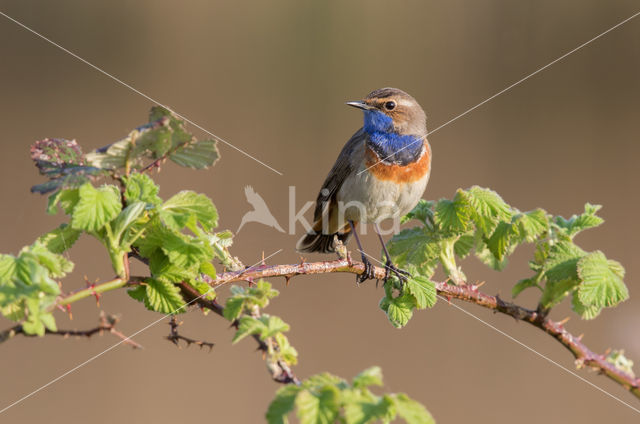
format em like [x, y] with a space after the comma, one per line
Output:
[369, 272]
[401, 274]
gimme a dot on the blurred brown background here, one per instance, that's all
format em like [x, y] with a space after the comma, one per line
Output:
[271, 78]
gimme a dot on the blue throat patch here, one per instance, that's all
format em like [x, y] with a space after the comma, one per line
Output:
[390, 146]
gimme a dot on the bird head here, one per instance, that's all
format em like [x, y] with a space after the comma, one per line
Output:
[392, 110]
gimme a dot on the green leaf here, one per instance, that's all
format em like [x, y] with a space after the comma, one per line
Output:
[369, 377]
[274, 325]
[265, 326]
[67, 199]
[400, 309]
[141, 188]
[522, 285]
[499, 242]
[452, 216]
[422, 212]
[562, 261]
[602, 281]
[423, 290]
[199, 155]
[208, 269]
[127, 218]
[248, 325]
[464, 245]
[556, 290]
[585, 311]
[486, 208]
[282, 405]
[286, 352]
[184, 251]
[411, 411]
[163, 269]
[532, 225]
[55, 263]
[112, 156]
[96, 207]
[321, 407]
[234, 308]
[60, 239]
[159, 296]
[578, 223]
[415, 250]
[177, 211]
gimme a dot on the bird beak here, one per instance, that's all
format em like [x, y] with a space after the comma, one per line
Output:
[360, 105]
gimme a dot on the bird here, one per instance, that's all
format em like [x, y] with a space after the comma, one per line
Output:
[381, 172]
[260, 212]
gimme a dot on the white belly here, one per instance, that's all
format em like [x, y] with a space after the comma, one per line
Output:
[365, 198]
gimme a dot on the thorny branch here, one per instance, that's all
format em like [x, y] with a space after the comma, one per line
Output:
[175, 337]
[283, 374]
[468, 293]
[107, 323]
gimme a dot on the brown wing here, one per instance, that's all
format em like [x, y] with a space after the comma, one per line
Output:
[341, 169]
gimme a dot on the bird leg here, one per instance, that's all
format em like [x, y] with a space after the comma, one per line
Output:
[369, 272]
[389, 267]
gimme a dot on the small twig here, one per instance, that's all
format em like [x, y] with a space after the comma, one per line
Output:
[174, 337]
[107, 323]
[280, 372]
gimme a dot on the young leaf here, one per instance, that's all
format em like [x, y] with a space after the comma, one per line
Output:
[127, 218]
[369, 377]
[67, 199]
[486, 208]
[423, 290]
[159, 296]
[96, 207]
[283, 404]
[452, 216]
[321, 407]
[602, 281]
[411, 411]
[60, 239]
[248, 325]
[400, 309]
[532, 224]
[177, 211]
[234, 308]
[422, 212]
[140, 187]
[416, 250]
[164, 297]
[617, 358]
[585, 311]
[199, 155]
[522, 285]
[578, 223]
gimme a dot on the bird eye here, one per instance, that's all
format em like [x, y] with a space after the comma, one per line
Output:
[390, 105]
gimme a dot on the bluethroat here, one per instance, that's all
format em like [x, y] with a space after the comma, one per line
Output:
[381, 172]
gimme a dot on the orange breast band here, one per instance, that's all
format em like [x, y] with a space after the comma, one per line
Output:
[398, 173]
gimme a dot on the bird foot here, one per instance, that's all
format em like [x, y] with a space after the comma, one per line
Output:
[369, 272]
[401, 274]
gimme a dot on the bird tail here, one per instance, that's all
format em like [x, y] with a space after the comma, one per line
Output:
[316, 241]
